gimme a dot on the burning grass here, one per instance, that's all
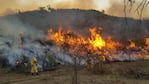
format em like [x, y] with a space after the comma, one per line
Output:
[96, 45]
[68, 45]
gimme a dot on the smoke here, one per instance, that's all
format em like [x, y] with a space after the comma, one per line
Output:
[81, 4]
[112, 7]
[9, 7]
[12, 26]
[13, 6]
[7, 4]
[117, 9]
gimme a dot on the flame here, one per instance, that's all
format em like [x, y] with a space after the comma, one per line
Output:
[132, 44]
[76, 43]
[67, 37]
[96, 40]
[112, 44]
[147, 43]
[94, 44]
[57, 37]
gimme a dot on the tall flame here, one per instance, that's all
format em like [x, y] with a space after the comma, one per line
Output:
[96, 40]
[57, 37]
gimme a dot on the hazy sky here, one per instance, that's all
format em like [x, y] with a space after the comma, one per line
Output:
[112, 7]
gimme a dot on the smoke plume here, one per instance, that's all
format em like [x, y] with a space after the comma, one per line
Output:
[117, 9]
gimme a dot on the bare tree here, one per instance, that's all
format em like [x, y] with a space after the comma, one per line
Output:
[139, 7]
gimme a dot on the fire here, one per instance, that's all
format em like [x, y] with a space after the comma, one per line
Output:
[112, 44]
[57, 37]
[147, 43]
[96, 40]
[76, 43]
[94, 44]
[67, 37]
[132, 44]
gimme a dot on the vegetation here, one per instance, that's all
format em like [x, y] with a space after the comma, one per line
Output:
[115, 72]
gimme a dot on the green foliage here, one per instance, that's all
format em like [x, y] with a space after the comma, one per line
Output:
[51, 60]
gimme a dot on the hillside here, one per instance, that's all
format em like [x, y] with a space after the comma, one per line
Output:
[78, 20]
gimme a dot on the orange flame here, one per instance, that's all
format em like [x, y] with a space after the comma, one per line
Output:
[93, 44]
[57, 37]
[112, 44]
[61, 37]
[147, 43]
[132, 44]
[96, 40]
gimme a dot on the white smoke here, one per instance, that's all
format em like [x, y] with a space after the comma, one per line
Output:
[12, 26]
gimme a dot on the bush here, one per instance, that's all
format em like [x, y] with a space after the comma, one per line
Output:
[3, 62]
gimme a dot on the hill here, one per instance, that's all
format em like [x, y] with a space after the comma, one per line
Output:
[79, 21]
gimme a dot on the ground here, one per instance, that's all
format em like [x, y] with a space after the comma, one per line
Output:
[113, 73]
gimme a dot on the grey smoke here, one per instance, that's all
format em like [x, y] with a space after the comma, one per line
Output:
[12, 26]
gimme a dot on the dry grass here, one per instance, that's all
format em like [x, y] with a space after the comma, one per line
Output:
[114, 73]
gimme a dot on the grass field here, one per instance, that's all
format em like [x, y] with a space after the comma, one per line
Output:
[113, 73]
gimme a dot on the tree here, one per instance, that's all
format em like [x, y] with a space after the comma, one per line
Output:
[129, 4]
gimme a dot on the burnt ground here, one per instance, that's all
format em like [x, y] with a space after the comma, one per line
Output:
[113, 73]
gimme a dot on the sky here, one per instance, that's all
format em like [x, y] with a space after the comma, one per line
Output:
[111, 7]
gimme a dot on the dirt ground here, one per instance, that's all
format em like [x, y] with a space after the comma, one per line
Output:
[114, 73]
